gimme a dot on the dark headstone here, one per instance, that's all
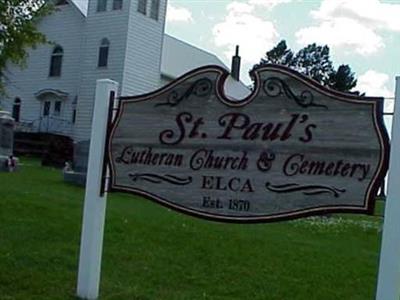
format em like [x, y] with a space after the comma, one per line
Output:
[73, 177]
[80, 164]
[59, 149]
[81, 155]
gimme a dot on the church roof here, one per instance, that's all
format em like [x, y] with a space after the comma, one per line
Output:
[179, 57]
[82, 5]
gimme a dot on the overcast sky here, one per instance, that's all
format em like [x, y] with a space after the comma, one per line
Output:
[362, 33]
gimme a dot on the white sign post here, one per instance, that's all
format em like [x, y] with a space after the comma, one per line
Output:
[389, 267]
[95, 204]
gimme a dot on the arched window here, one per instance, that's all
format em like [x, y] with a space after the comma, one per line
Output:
[103, 53]
[57, 108]
[56, 61]
[142, 6]
[74, 104]
[16, 109]
[101, 5]
[117, 4]
[155, 7]
[46, 108]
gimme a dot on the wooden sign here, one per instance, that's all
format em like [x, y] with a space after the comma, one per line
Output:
[292, 148]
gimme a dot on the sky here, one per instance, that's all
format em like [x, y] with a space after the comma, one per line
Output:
[362, 33]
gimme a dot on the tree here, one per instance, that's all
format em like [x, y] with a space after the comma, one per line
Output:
[280, 55]
[313, 61]
[18, 31]
[343, 79]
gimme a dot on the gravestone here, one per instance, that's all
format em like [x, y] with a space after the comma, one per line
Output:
[81, 153]
[80, 164]
[6, 138]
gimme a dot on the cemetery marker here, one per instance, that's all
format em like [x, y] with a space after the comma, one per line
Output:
[290, 149]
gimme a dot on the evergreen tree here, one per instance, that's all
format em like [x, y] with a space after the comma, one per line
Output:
[280, 55]
[343, 79]
[313, 61]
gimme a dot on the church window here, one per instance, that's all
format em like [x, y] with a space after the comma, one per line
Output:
[74, 104]
[103, 53]
[155, 7]
[57, 108]
[61, 2]
[16, 109]
[142, 6]
[46, 108]
[74, 115]
[101, 5]
[56, 61]
[117, 4]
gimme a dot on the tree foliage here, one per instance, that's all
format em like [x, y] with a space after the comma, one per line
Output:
[343, 79]
[313, 61]
[18, 30]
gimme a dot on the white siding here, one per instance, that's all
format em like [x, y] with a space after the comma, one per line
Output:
[143, 51]
[134, 59]
[164, 80]
[24, 83]
[113, 26]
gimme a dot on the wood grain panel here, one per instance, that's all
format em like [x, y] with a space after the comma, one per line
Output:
[292, 148]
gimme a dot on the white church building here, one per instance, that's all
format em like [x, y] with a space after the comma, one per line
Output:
[123, 40]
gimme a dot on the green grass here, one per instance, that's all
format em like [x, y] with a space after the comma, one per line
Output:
[151, 252]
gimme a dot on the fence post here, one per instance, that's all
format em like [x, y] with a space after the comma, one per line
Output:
[95, 204]
[389, 267]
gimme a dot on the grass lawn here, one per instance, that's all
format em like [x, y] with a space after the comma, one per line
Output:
[153, 253]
